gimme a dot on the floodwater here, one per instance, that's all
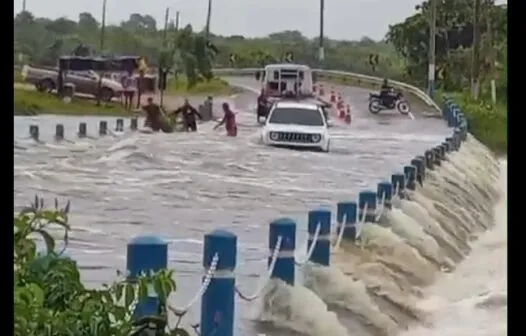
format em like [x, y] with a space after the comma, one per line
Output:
[181, 186]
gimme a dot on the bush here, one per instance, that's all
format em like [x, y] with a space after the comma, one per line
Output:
[215, 86]
[487, 122]
[49, 298]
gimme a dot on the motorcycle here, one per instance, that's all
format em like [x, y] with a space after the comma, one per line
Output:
[378, 103]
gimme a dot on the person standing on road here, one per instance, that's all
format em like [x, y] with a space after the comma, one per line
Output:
[229, 120]
[129, 90]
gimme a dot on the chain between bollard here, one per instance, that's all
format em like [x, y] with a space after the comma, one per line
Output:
[312, 245]
[381, 208]
[204, 286]
[361, 221]
[340, 234]
[262, 283]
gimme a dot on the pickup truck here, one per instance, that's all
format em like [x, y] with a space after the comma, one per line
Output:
[85, 82]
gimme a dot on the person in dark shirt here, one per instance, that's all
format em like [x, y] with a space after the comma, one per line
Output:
[386, 92]
[153, 115]
[262, 105]
[189, 114]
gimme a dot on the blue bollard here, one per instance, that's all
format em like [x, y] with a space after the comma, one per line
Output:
[410, 175]
[452, 116]
[367, 206]
[346, 217]
[83, 130]
[451, 144]
[217, 304]
[442, 150]
[430, 159]
[437, 156]
[103, 127]
[458, 134]
[419, 164]
[446, 146]
[59, 132]
[145, 254]
[322, 248]
[119, 125]
[284, 269]
[385, 188]
[133, 123]
[398, 182]
[34, 132]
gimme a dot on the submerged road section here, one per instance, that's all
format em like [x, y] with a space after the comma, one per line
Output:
[183, 185]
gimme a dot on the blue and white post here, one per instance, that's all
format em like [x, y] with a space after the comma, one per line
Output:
[384, 191]
[457, 135]
[398, 182]
[418, 162]
[447, 146]
[452, 144]
[410, 174]
[452, 116]
[346, 216]
[145, 254]
[430, 158]
[437, 156]
[285, 263]
[321, 253]
[217, 304]
[367, 206]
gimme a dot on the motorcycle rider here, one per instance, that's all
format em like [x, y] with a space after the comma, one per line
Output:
[189, 116]
[386, 93]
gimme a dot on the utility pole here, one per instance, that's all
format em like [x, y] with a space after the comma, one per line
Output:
[162, 71]
[23, 5]
[208, 18]
[103, 26]
[432, 52]
[475, 66]
[102, 31]
[177, 14]
[321, 50]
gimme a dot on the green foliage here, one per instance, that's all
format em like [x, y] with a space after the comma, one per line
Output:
[454, 41]
[188, 52]
[33, 103]
[49, 298]
[487, 122]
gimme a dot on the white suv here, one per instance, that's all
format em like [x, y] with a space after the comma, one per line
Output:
[296, 124]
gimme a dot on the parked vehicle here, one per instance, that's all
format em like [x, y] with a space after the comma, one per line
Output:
[84, 82]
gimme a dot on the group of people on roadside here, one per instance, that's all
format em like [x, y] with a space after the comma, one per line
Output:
[155, 117]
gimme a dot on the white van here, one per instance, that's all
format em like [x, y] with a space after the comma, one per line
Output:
[279, 80]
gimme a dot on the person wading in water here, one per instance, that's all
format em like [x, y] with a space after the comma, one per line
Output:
[190, 115]
[154, 115]
[229, 120]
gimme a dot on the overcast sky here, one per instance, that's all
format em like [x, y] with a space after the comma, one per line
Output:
[344, 19]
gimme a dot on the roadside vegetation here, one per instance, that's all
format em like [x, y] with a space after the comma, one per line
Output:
[28, 103]
[49, 297]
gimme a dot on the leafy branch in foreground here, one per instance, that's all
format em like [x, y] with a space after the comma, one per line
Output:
[50, 298]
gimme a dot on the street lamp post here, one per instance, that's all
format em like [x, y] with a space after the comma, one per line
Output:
[321, 50]
[432, 53]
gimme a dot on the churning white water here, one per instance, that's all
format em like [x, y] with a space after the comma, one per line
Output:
[383, 278]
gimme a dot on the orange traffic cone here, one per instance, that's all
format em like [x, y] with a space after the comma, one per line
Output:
[333, 97]
[322, 91]
[340, 103]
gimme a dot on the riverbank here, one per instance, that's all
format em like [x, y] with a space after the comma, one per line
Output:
[28, 103]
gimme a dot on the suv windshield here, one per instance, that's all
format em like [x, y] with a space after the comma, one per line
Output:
[296, 116]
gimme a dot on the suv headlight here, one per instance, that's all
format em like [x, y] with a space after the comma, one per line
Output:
[273, 136]
[316, 138]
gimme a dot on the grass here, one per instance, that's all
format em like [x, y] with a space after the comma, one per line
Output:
[487, 122]
[34, 103]
[214, 87]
